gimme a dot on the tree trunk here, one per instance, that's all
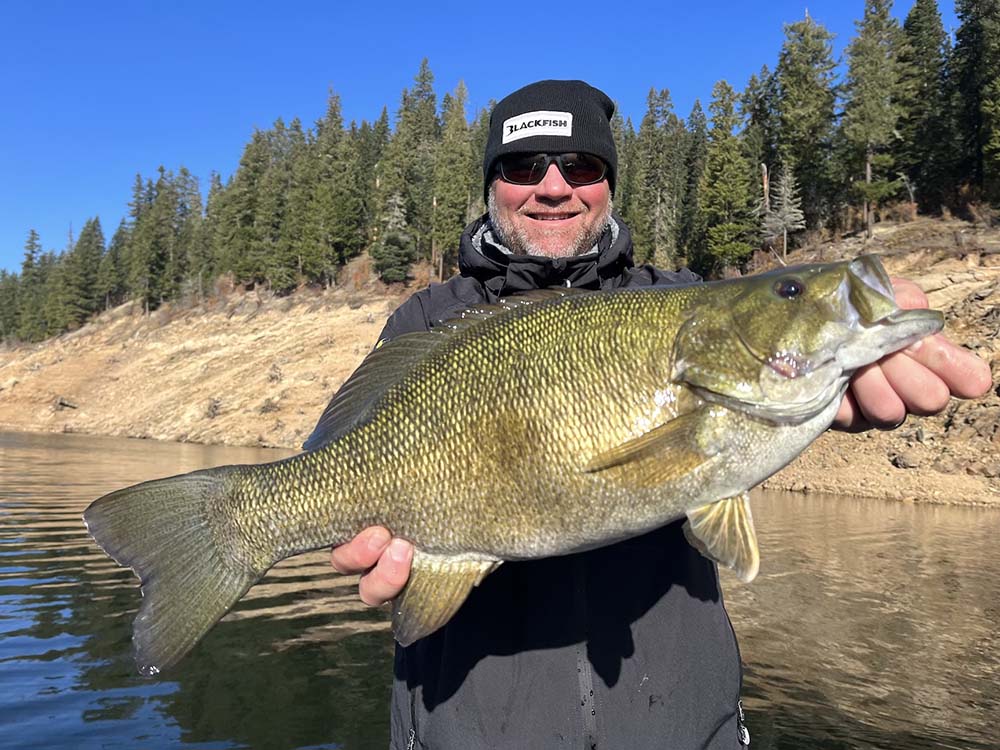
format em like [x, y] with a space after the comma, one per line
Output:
[868, 183]
[766, 184]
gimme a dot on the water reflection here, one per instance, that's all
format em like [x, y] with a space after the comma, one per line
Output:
[298, 663]
[872, 625]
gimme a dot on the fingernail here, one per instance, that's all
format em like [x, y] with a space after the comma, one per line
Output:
[399, 551]
[377, 540]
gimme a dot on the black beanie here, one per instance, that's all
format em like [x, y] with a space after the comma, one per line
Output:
[553, 117]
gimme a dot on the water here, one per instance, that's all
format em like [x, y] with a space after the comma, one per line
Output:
[872, 625]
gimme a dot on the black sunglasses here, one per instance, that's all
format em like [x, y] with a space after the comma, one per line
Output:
[529, 169]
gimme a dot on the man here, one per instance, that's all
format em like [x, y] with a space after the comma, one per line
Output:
[628, 646]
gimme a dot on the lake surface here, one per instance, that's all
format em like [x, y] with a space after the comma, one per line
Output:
[872, 625]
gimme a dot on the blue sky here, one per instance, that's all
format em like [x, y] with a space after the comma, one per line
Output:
[95, 92]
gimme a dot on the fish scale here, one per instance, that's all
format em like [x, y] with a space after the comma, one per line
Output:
[549, 424]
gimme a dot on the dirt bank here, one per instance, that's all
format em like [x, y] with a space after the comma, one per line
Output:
[251, 369]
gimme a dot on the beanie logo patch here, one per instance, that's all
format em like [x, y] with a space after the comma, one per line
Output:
[542, 122]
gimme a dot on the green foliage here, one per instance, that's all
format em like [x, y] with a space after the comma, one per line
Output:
[873, 93]
[925, 150]
[347, 217]
[725, 192]
[452, 183]
[110, 282]
[478, 135]
[692, 235]
[410, 154]
[761, 126]
[975, 72]
[31, 325]
[658, 182]
[8, 305]
[805, 104]
[304, 200]
[393, 255]
[73, 294]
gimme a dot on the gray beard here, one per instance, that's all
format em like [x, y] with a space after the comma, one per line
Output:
[514, 239]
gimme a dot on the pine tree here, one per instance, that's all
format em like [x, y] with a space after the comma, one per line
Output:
[142, 261]
[270, 213]
[320, 255]
[78, 271]
[872, 109]
[623, 142]
[31, 297]
[409, 161]
[976, 75]
[924, 151]
[142, 198]
[348, 221]
[655, 210]
[692, 233]
[215, 227]
[479, 134]
[190, 249]
[393, 255]
[110, 283]
[9, 283]
[806, 98]
[372, 140]
[60, 308]
[299, 251]
[725, 191]
[785, 213]
[759, 107]
[452, 184]
[237, 238]
[199, 231]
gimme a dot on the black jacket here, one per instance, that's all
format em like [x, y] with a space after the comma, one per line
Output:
[626, 646]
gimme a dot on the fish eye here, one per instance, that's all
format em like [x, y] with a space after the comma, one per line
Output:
[789, 288]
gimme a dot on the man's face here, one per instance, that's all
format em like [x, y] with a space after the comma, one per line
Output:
[551, 218]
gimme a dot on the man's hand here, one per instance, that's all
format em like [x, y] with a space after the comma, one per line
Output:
[384, 563]
[918, 380]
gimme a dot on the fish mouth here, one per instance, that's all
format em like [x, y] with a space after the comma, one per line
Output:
[891, 333]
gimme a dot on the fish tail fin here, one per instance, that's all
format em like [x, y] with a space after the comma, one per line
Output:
[186, 554]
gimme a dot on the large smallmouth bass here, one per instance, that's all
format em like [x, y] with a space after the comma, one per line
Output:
[548, 424]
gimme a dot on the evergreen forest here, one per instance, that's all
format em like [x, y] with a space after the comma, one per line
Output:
[911, 125]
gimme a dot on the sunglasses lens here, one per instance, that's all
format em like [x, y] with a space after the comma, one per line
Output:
[583, 169]
[523, 169]
[529, 169]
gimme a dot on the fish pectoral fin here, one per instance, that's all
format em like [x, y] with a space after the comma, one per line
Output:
[723, 531]
[437, 587]
[666, 452]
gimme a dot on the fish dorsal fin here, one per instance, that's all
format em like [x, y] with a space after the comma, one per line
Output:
[437, 587]
[384, 367]
[666, 452]
[724, 532]
[390, 362]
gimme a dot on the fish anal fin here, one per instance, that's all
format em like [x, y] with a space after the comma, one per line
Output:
[667, 452]
[437, 587]
[724, 532]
